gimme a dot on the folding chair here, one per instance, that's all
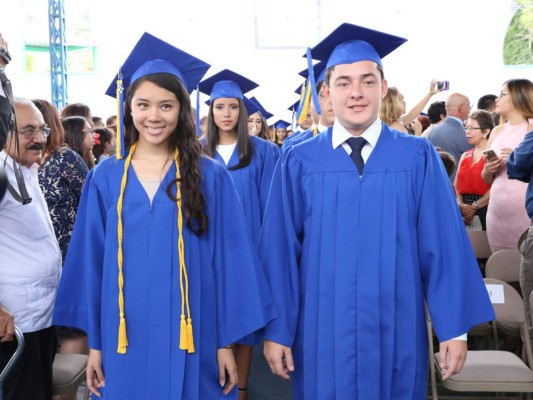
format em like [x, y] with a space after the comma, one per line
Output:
[69, 373]
[492, 370]
[504, 265]
[480, 244]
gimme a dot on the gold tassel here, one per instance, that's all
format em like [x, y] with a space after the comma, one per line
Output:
[122, 338]
[190, 337]
[183, 333]
[186, 332]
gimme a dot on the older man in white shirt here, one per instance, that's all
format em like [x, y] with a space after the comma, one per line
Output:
[30, 264]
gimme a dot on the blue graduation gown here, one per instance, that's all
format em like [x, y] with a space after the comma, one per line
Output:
[223, 310]
[275, 150]
[351, 259]
[253, 182]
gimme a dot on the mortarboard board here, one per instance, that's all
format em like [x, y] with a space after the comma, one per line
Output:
[281, 124]
[226, 84]
[149, 56]
[262, 109]
[351, 43]
[294, 107]
[251, 106]
[152, 55]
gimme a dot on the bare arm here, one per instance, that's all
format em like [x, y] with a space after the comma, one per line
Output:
[417, 109]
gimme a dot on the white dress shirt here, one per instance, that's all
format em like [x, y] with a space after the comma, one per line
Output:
[30, 259]
[339, 136]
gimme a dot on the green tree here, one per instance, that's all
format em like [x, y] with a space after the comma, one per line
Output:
[518, 44]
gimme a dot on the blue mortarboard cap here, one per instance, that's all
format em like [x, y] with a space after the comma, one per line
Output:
[226, 84]
[152, 55]
[251, 106]
[299, 89]
[281, 124]
[351, 43]
[319, 69]
[294, 107]
[259, 108]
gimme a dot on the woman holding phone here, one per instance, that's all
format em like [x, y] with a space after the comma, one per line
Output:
[506, 214]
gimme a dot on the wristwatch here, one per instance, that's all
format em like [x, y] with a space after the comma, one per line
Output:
[474, 204]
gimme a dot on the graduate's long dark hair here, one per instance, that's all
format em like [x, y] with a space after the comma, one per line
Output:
[244, 143]
[184, 138]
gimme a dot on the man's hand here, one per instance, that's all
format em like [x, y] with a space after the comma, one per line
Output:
[5, 57]
[7, 325]
[452, 357]
[279, 358]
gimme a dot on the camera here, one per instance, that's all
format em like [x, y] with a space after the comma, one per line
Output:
[443, 85]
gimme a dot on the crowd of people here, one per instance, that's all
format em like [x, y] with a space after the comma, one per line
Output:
[166, 251]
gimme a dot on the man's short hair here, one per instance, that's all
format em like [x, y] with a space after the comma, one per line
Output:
[435, 110]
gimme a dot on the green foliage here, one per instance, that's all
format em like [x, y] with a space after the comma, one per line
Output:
[518, 45]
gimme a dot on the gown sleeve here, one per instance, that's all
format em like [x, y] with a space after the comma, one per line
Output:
[269, 163]
[244, 300]
[520, 162]
[280, 245]
[453, 286]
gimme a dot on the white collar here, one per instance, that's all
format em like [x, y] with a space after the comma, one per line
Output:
[340, 134]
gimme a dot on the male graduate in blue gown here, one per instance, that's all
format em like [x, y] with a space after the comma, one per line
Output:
[355, 245]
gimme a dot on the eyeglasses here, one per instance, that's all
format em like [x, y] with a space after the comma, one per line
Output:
[472, 128]
[31, 131]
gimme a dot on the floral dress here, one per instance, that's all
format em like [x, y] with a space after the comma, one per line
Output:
[61, 178]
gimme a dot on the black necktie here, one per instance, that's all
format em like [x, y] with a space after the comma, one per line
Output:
[357, 143]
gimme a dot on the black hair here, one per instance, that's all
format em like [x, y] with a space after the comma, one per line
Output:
[435, 110]
[185, 140]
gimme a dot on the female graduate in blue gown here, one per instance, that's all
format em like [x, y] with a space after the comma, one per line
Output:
[250, 162]
[152, 272]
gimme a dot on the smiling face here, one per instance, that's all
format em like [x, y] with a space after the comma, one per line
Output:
[226, 114]
[31, 149]
[155, 113]
[255, 123]
[356, 91]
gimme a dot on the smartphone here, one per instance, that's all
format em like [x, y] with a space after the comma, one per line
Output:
[443, 85]
[490, 154]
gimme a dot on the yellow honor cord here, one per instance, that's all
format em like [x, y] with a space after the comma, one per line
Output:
[122, 338]
[315, 131]
[186, 332]
[119, 133]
